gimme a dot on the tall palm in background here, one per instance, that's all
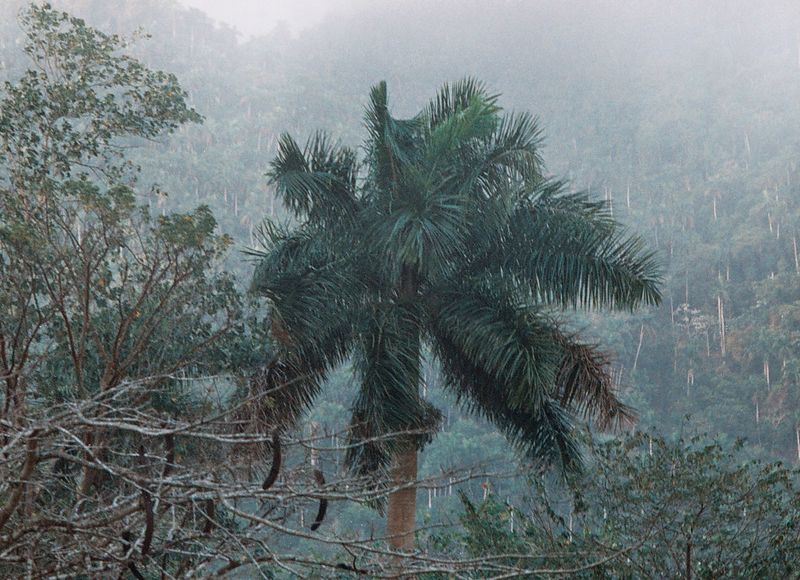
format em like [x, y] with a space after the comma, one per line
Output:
[445, 234]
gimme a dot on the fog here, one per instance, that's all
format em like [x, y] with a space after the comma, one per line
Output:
[259, 17]
[679, 118]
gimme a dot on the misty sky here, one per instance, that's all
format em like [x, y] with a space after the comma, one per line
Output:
[255, 17]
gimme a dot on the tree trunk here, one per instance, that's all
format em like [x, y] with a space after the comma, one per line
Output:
[400, 519]
[401, 516]
[689, 560]
[797, 437]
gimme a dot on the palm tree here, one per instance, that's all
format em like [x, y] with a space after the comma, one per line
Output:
[446, 234]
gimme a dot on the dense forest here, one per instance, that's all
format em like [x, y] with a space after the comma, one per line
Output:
[147, 242]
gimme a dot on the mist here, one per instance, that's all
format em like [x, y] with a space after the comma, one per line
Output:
[258, 18]
[659, 172]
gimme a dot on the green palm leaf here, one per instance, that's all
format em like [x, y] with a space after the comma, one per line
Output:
[453, 98]
[545, 435]
[317, 183]
[570, 253]
[388, 403]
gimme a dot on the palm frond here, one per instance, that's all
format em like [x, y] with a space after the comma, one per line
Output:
[304, 353]
[546, 435]
[513, 362]
[509, 340]
[569, 252]
[421, 229]
[318, 182]
[490, 176]
[453, 98]
[376, 112]
[391, 143]
[279, 393]
[448, 138]
[314, 300]
[388, 408]
[585, 384]
[306, 277]
[513, 152]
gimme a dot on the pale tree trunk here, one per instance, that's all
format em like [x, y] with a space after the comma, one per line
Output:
[639, 348]
[401, 516]
[797, 437]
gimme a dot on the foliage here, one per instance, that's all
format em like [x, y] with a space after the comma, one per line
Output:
[91, 283]
[448, 233]
[649, 506]
[691, 137]
[103, 306]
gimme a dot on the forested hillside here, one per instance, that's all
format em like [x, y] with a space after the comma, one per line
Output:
[683, 116]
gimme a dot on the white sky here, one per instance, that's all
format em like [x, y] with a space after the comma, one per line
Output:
[255, 17]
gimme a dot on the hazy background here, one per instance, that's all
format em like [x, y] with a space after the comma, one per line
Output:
[258, 17]
[684, 115]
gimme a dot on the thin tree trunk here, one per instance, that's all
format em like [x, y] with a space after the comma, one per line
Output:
[721, 319]
[797, 437]
[671, 311]
[401, 516]
[688, 560]
[639, 348]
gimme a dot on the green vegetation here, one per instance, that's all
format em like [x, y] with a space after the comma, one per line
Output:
[449, 233]
[646, 508]
[146, 398]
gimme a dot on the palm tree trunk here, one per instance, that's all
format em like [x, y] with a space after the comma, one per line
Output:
[401, 517]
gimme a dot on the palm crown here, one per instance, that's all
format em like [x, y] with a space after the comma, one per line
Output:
[445, 238]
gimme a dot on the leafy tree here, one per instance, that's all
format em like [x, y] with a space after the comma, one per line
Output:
[101, 304]
[446, 235]
[648, 507]
[75, 250]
